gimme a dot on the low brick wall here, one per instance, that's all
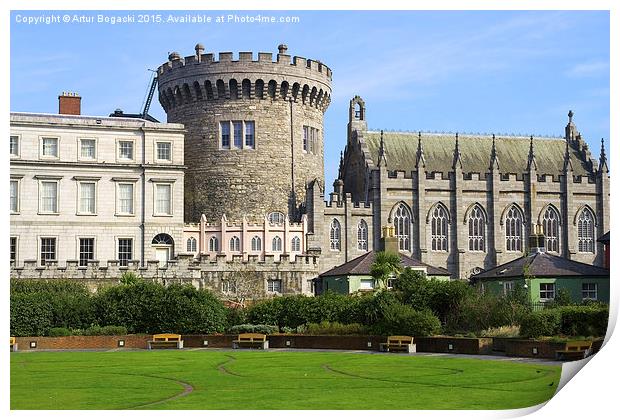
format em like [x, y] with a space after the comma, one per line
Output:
[533, 348]
[454, 345]
[83, 342]
[334, 342]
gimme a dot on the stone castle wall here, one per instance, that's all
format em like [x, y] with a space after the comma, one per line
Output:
[202, 272]
[280, 97]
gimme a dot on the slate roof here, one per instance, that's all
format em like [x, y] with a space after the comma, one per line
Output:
[542, 265]
[362, 265]
[512, 152]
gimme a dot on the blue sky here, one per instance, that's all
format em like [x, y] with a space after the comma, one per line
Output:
[465, 71]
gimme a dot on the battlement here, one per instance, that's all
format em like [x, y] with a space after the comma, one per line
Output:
[202, 77]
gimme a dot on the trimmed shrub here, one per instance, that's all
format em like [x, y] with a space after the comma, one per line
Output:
[400, 319]
[584, 320]
[251, 328]
[151, 308]
[541, 324]
[59, 332]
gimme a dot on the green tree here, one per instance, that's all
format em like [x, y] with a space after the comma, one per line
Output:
[387, 264]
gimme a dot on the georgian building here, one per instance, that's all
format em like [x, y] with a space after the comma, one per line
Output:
[89, 189]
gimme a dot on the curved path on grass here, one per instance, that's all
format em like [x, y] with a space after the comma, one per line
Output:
[187, 389]
[545, 373]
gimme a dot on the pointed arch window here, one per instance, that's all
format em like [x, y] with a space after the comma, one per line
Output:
[551, 229]
[256, 243]
[235, 244]
[191, 244]
[514, 230]
[214, 245]
[362, 236]
[295, 244]
[334, 235]
[276, 244]
[585, 231]
[439, 229]
[477, 229]
[402, 226]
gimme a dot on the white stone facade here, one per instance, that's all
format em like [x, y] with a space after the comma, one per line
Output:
[83, 186]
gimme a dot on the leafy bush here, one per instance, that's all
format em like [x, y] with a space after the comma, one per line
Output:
[59, 332]
[130, 277]
[584, 320]
[252, 328]
[151, 308]
[335, 328]
[400, 319]
[236, 316]
[541, 324]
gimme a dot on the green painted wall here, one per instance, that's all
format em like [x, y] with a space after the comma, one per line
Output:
[572, 284]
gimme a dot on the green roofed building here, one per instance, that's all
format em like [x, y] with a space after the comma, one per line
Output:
[354, 275]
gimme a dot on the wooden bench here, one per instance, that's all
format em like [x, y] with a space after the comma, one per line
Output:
[13, 344]
[251, 340]
[574, 350]
[165, 341]
[398, 343]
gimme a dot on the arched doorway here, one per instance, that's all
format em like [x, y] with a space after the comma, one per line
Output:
[164, 245]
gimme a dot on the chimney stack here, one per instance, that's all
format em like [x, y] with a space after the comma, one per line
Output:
[70, 103]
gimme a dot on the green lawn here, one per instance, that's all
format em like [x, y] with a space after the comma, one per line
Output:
[272, 380]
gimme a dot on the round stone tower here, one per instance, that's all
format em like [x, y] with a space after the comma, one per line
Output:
[254, 130]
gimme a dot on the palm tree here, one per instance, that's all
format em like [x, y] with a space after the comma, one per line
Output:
[386, 265]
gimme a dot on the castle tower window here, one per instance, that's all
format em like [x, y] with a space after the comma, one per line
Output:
[214, 245]
[225, 134]
[402, 226]
[585, 231]
[306, 129]
[256, 243]
[295, 244]
[334, 235]
[259, 89]
[514, 231]
[477, 229]
[245, 89]
[362, 236]
[191, 244]
[87, 251]
[235, 244]
[238, 134]
[48, 250]
[551, 229]
[276, 244]
[276, 218]
[439, 229]
[125, 251]
[249, 134]
[271, 89]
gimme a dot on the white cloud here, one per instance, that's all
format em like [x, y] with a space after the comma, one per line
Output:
[593, 68]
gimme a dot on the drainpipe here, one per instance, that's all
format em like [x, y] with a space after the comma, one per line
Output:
[293, 198]
[143, 200]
